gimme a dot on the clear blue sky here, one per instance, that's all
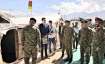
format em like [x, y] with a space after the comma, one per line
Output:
[38, 5]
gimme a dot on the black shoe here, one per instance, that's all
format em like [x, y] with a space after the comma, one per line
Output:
[66, 59]
[50, 51]
[60, 48]
[82, 63]
[70, 60]
[62, 56]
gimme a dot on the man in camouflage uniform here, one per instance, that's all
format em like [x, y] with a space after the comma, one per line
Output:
[31, 37]
[85, 39]
[68, 40]
[98, 42]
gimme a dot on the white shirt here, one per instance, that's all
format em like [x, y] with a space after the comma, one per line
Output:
[76, 29]
[52, 35]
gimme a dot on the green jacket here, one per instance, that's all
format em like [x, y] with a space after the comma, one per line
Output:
[68, 35]
[85, 37]
[31, 37]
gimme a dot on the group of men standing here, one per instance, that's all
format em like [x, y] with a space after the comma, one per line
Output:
[43, 35]
[91, 41]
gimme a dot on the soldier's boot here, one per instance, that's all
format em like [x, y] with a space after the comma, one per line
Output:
[34, 60]
[71, 58]
[26, 60]
[67, 59]
[87, 59]
[82, 60]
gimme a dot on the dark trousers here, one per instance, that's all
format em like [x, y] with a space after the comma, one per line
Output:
[43, 49]
[75, 43]
[52, 41]
[61, 41]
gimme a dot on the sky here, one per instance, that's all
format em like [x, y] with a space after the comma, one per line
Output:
[65, 7]
[22, 5]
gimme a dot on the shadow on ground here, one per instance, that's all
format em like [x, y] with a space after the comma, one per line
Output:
[61, 61]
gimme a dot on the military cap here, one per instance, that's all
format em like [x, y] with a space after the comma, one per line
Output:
[83, 20]
[89, 19]
[67, 21]
[98, 20]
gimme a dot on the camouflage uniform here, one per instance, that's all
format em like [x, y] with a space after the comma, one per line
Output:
[61, 42]
[85, 39]
[31, 37]
[98, 42]
[67, 41]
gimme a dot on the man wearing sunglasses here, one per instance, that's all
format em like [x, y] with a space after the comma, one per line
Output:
[85, 39]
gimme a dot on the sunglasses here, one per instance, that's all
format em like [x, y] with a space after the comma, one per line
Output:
[84, 22]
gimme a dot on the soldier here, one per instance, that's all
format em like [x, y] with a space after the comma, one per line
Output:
[31, 37]
[98, 41]
[85, 39]
[68, 40]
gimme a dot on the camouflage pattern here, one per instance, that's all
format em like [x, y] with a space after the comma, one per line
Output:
[68, 40]
[85, 39]
[98, 46]
[31, 37]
